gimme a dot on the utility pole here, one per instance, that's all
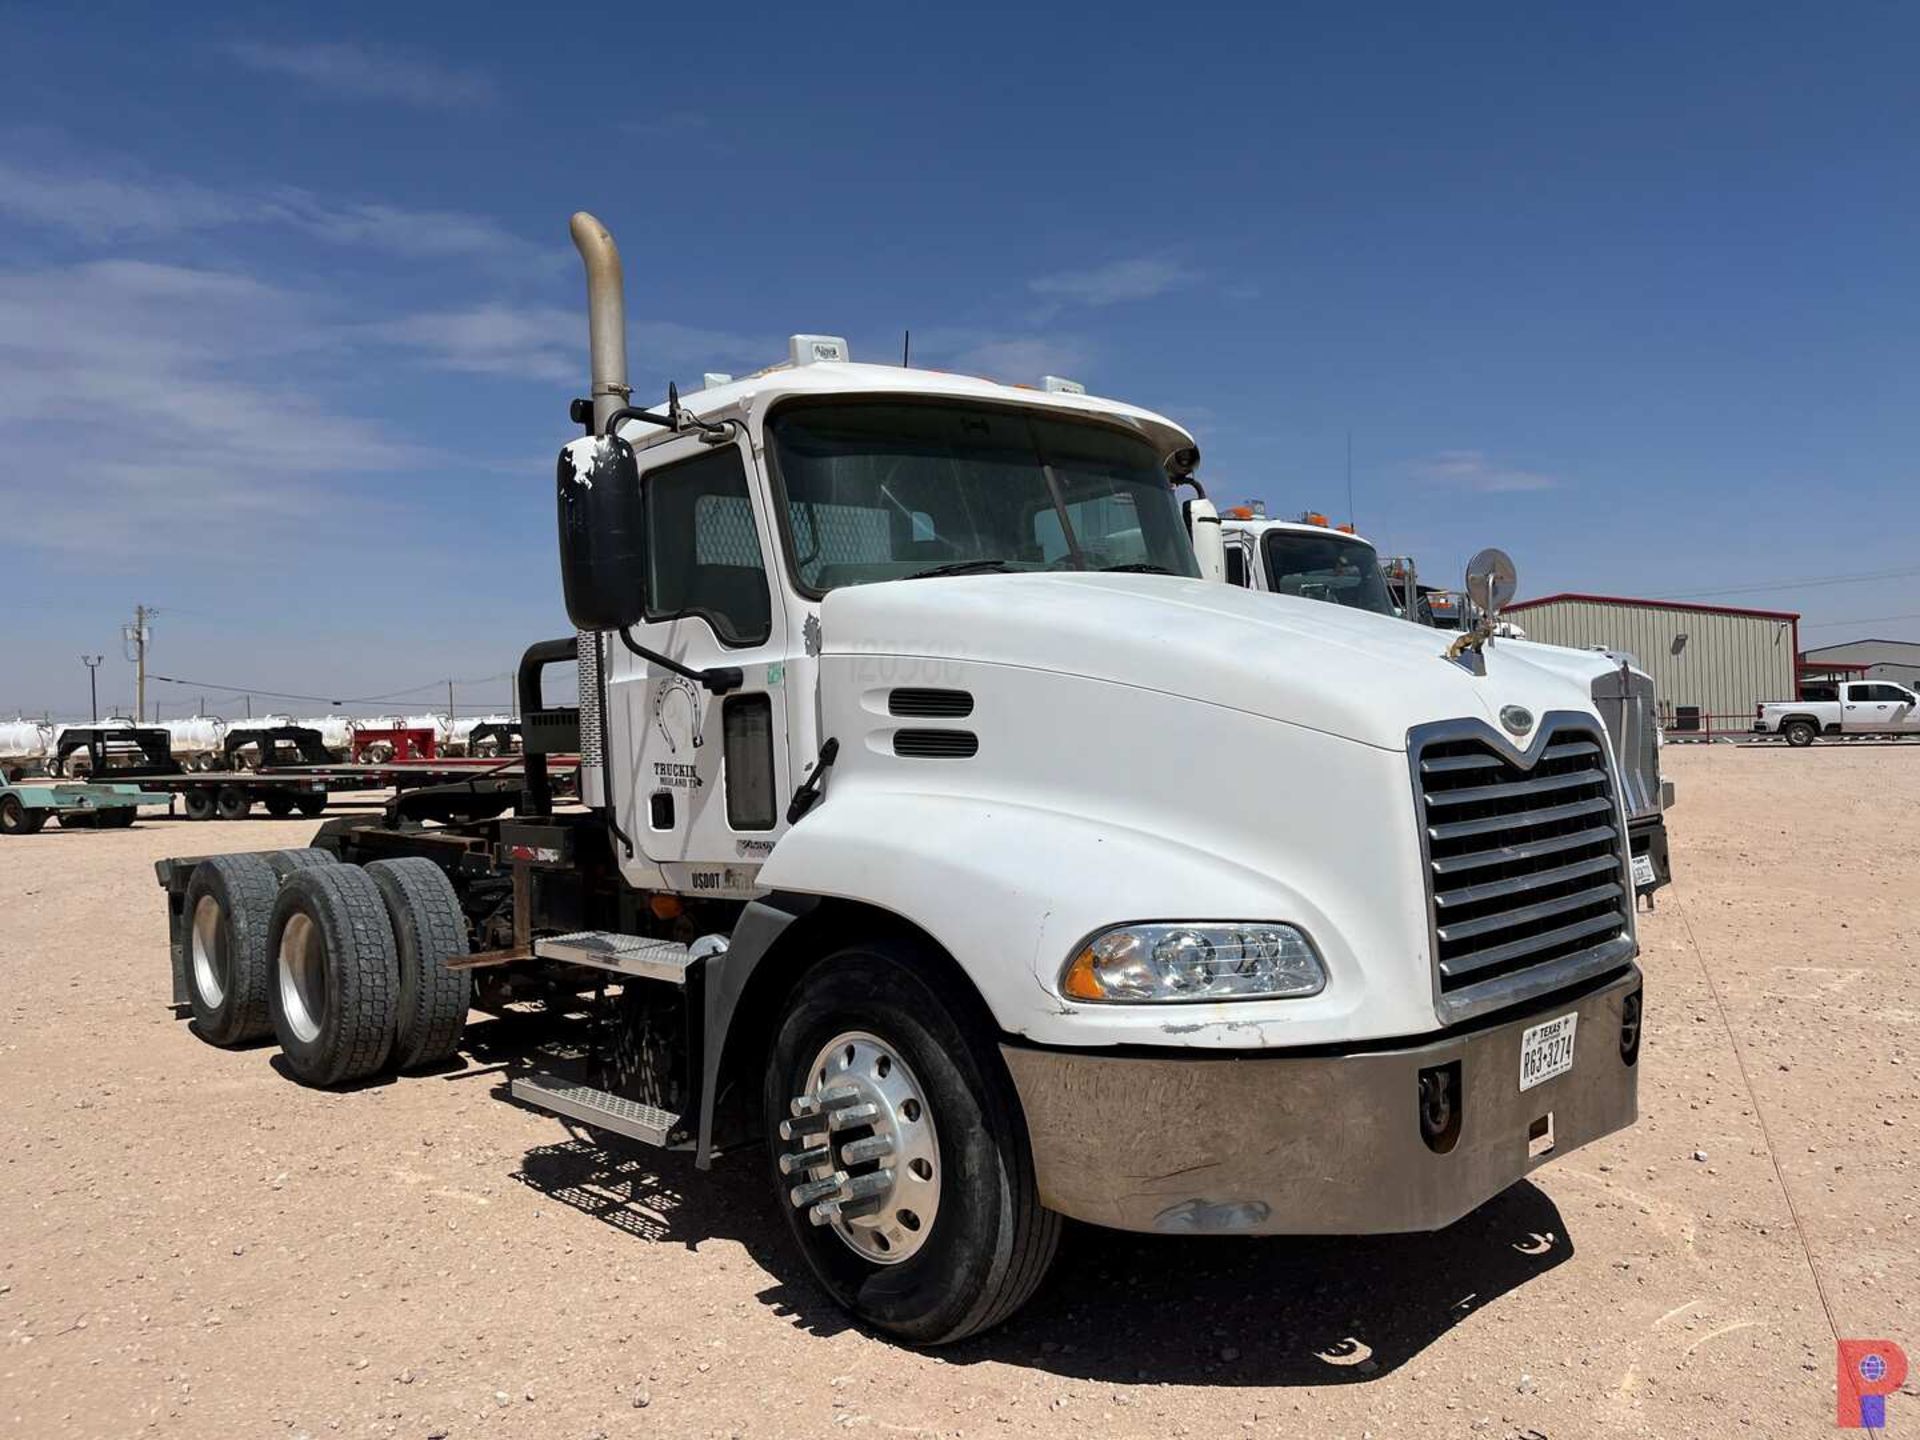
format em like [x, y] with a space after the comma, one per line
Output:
[137, 637]
[450, 711]
[92, 662]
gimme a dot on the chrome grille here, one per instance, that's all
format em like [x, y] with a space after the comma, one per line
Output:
[1527, 882]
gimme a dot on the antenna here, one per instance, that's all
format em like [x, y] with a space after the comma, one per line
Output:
[906, 350]
[1350, 519]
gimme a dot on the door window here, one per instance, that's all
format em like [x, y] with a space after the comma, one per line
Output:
[704, 549]
[1237, 566]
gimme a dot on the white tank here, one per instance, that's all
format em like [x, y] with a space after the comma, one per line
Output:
[197, 734]
[26, 739]
[259, 722]
[336, 731]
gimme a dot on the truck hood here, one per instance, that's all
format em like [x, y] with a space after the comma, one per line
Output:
[1344, 672]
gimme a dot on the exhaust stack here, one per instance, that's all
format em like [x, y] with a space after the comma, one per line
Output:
[606, 316]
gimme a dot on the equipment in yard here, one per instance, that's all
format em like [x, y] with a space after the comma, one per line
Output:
[26, 808]
[1858, 707]
[942, 832]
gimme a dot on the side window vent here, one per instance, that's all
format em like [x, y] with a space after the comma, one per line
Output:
[936, 744]
[930, 704]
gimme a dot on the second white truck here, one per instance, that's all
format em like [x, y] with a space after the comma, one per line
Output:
[1858, 707]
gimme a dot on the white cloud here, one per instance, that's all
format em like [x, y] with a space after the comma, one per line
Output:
[1013, 357]
[1113, 283]
[134, 416]
[103, 209]
[1474, 470]
[365, 73]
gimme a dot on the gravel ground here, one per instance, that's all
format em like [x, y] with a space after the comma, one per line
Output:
[195, 1246]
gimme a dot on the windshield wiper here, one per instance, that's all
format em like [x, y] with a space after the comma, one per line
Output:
[1136, 567]
[961, 567]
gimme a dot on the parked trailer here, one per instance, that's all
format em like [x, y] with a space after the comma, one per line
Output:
[25, 809]
[891, 814]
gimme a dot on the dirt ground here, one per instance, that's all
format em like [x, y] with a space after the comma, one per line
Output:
[195, 1246]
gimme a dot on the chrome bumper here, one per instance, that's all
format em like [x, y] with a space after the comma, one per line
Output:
[1316, 1144]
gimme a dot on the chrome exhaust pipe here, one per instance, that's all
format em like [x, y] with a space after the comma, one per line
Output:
[606, 316]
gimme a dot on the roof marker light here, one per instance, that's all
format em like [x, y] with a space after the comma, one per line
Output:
[1057, 385]
[814, 349]
[714, 379]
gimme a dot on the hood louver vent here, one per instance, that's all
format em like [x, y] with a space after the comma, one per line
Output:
[930, 704]
[936, 744]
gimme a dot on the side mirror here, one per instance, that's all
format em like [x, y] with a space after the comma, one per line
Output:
[603, 555]
[1490, 582]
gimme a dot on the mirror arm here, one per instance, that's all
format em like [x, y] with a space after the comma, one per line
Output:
[718, 679]
[628, 412]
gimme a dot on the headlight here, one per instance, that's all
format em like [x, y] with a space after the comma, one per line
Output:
[1195, 960]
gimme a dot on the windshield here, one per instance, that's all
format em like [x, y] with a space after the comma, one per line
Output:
[1327, 567]
[891, 491]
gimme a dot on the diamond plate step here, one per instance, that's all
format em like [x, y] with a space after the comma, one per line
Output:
[627, 954]
[601, 1109]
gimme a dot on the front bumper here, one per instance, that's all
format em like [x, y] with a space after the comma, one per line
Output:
[1316, 1144]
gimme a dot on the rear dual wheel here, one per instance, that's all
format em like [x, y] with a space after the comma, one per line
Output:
[898, 1148]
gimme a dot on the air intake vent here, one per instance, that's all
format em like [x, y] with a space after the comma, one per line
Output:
[1527, 869]
[936, 744]
[931, 704]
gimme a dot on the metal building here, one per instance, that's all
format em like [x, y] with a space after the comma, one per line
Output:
[1895, 660]
[1711, 664]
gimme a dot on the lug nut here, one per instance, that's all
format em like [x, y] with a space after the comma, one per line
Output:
[812, 1190]
[874, 1147]
[806, 1159]
[860, 1187]
[828, 1211]
[851, 1116]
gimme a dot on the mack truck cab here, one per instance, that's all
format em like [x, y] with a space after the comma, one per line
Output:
[889, 857]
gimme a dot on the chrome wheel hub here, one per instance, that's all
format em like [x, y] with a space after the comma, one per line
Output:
[864, 1155]
[303, 977]
[209, 955]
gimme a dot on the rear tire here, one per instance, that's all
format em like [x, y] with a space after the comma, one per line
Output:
[429, 929]
[289, 862]
[229, 910]
[1799, 733]
[988, 1241]
[334, 975]
[199, 803]
[232, 802]
[17, 819]
[310, 805]
[118, 817]
[278, 804]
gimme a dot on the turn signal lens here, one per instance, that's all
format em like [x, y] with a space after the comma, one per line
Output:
[1195, 960]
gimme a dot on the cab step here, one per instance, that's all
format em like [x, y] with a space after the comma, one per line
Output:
[625, 954]
[602, 1109]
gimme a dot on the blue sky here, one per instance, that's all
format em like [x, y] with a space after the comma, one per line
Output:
[289, 319]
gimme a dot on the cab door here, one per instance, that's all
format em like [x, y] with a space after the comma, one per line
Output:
[1905, 710]
[1863, 710]
[706, 775]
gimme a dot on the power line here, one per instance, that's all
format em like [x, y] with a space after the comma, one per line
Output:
[324, 699]
[1812, 582]
[1862, 620]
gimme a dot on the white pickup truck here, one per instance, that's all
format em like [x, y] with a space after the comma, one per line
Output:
[1859, 707]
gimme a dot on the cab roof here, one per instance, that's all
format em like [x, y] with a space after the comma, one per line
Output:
[749, 398]
[1260, 525]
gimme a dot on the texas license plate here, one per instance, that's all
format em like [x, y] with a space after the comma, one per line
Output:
[1643, 870]
[1546, 1050]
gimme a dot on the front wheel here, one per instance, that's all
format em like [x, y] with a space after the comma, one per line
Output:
[898, 1150]
[1799, 733]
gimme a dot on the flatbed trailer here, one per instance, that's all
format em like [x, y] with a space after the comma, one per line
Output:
[25, 809]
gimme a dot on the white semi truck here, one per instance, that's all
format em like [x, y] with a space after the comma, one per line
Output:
[965, 861]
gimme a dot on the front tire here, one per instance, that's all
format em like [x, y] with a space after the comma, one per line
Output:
[957, 1239]
[232, 802]
[1799, 733]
